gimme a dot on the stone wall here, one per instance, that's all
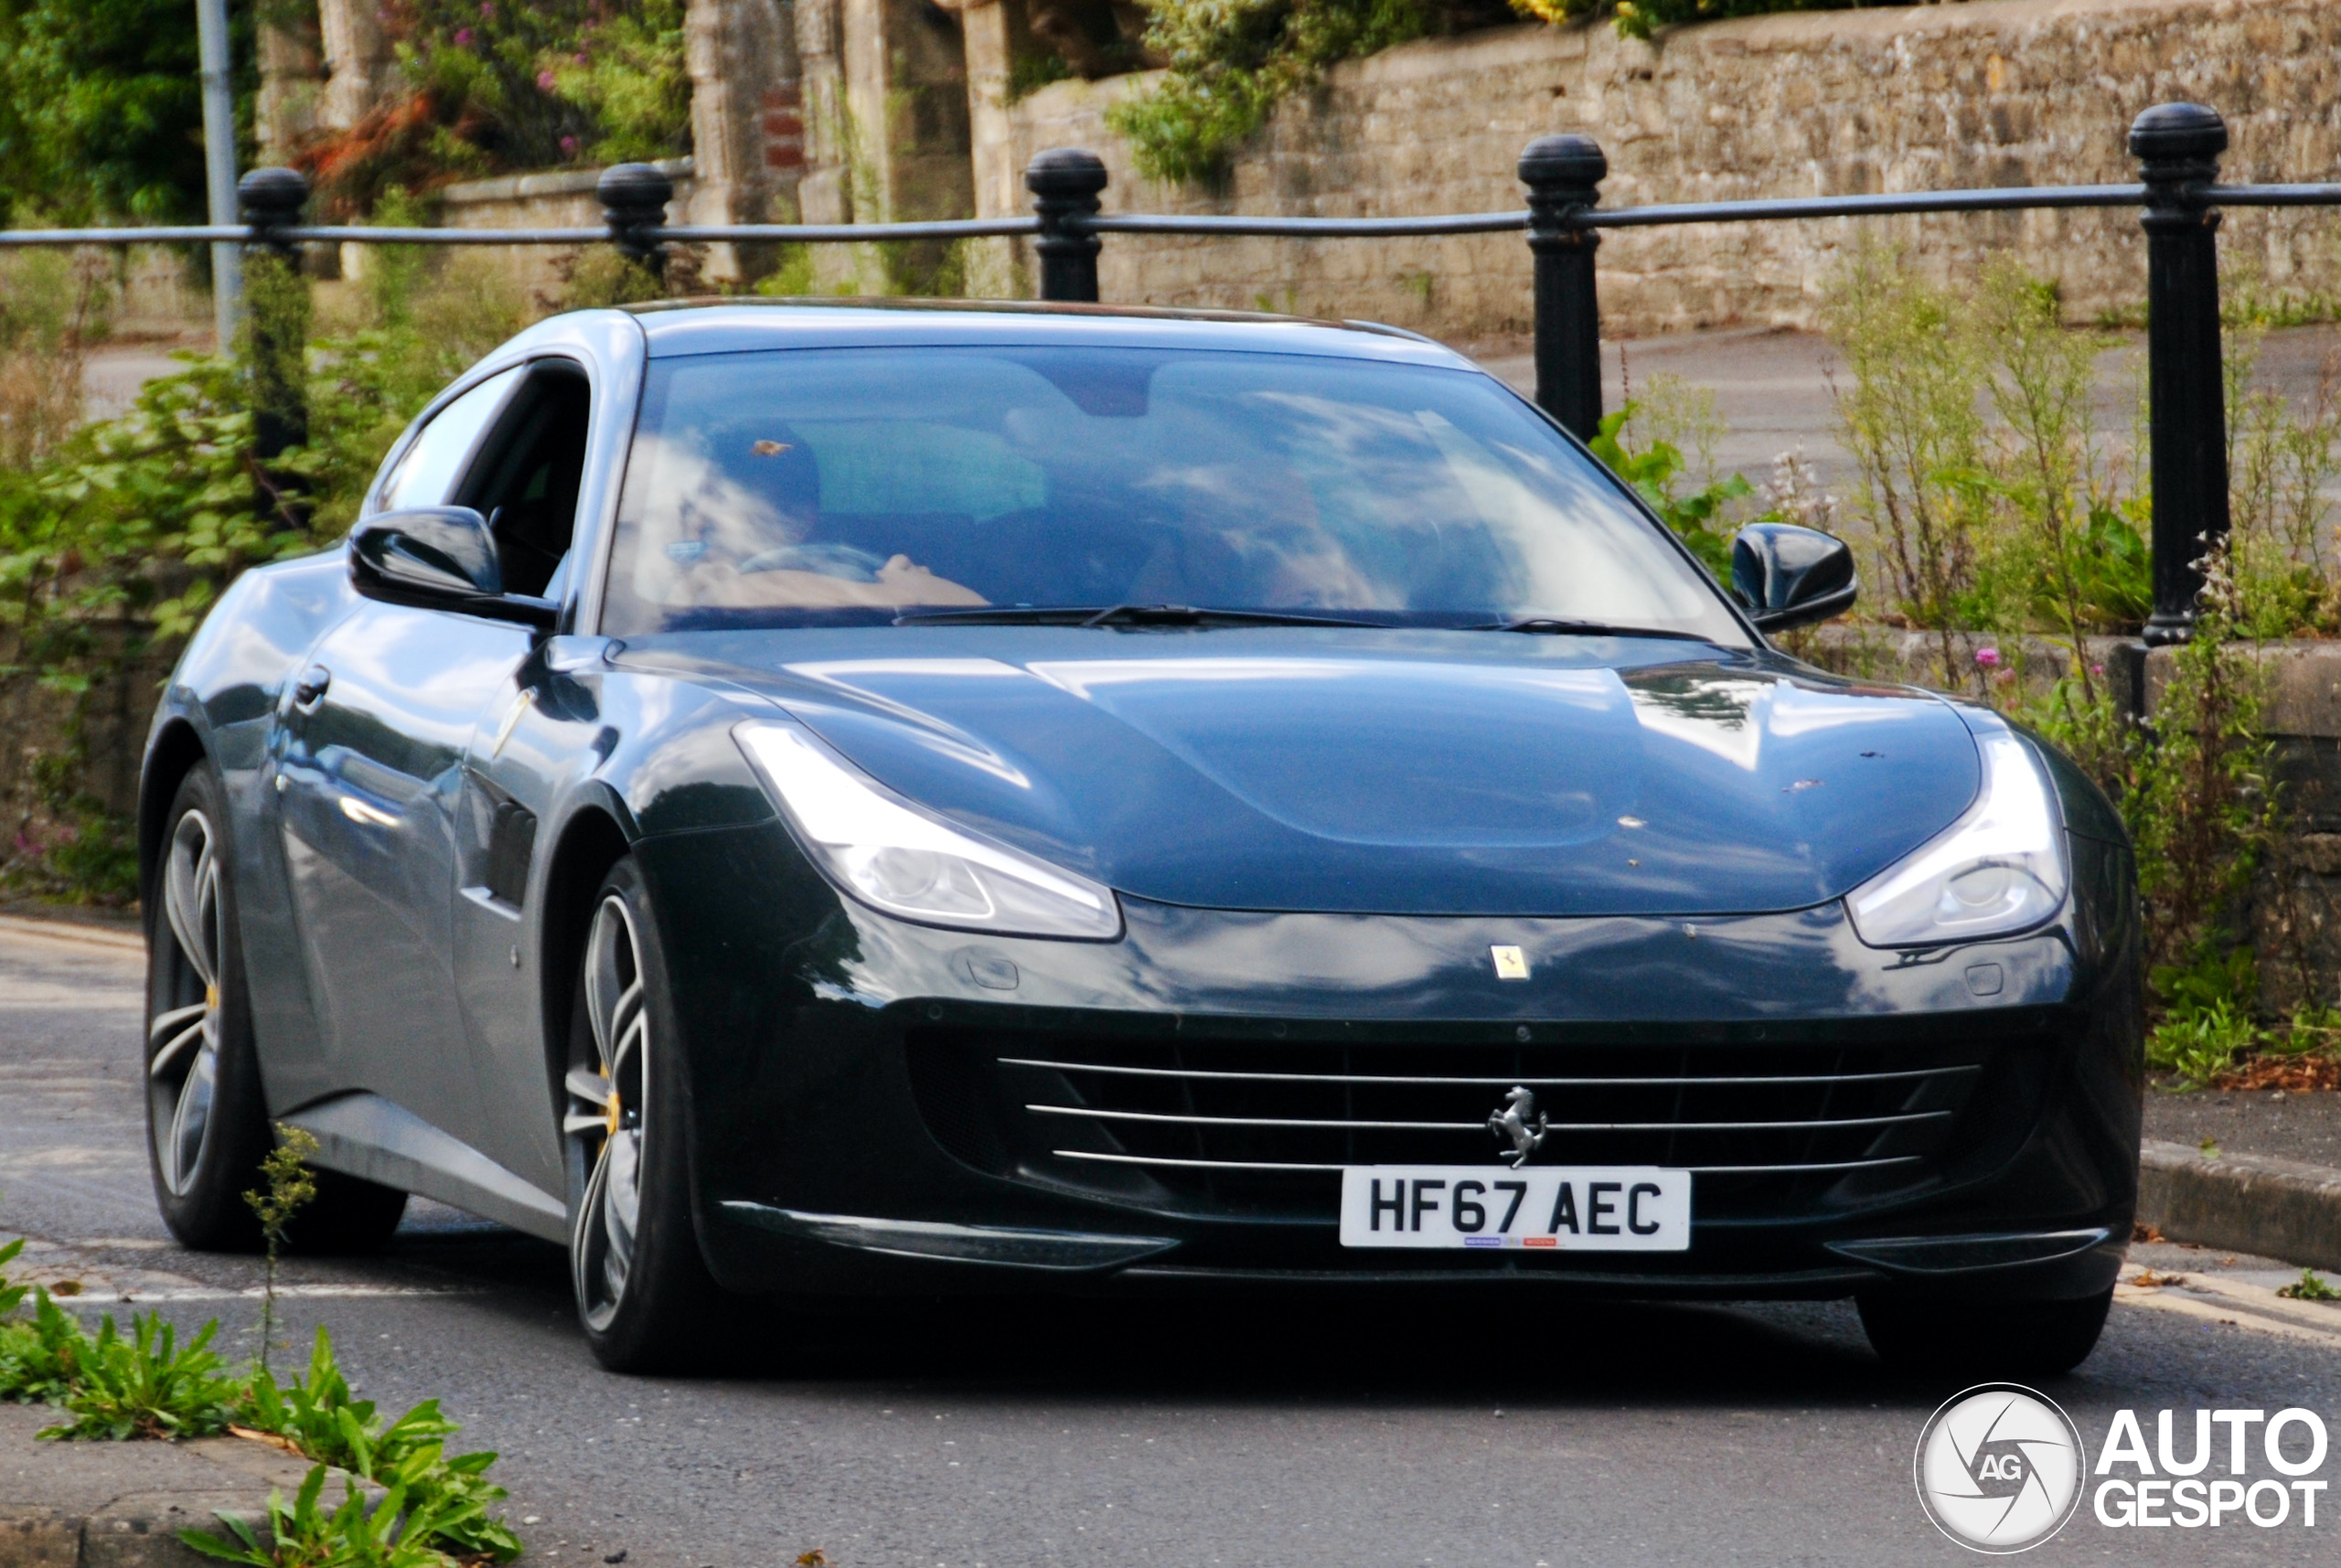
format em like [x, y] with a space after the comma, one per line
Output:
[1991, 93]
[562, 198]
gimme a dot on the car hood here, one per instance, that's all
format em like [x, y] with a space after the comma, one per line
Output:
[1366, 772]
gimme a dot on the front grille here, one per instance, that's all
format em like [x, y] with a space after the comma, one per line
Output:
[1267, 1124]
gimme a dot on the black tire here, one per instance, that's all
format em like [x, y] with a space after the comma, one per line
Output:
[644, 1293]
[1964, 1340]
[206, 1121]
[349, 1215]
[200, 1036]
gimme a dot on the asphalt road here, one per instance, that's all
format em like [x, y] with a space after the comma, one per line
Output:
[1027, 1433]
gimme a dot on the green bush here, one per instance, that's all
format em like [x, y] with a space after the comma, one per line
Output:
[100, 110]
[1232, 60]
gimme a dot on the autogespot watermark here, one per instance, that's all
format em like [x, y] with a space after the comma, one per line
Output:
[2001, 1468]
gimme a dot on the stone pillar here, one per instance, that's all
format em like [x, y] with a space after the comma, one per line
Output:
[886, 118]
[292, 84]
[995, 33]
[825, 190]
[747, 121]
[357, 60]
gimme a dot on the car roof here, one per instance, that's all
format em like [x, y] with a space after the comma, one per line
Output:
[678, 327]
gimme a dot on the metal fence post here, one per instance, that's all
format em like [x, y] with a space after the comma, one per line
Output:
[634, 199]
[276, 310]
[2178, 146]
[1563, 176]
[1065, 183]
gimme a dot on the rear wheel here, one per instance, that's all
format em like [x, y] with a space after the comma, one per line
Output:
[643, 1290]
[206, 1124]
[1988, 1338]
[207, 1116]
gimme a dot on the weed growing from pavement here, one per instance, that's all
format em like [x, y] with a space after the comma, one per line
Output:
[287, 1186]
[2308, 1287]
[146, 1384]
[398, 1533]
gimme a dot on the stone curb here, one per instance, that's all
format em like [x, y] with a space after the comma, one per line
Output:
[121, 1505]
[2282, 1208]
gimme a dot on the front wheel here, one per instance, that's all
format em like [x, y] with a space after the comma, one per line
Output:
[643, 1292]
[2016, 1340]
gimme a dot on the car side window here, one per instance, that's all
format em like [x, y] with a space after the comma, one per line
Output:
[528, 472]
[427, 472]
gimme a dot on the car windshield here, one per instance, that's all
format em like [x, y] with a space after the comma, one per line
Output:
[820, 487]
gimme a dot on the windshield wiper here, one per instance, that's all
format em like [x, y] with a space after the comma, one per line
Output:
[1116, 615]
[1547, 625]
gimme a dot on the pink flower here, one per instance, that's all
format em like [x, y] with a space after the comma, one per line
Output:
[544, 82]
[2096, 669]
[463, 37]
[581, 57]
[1988, 657]
[487, 8]
[569, 143]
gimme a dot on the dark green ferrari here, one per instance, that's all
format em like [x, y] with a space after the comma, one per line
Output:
[820, 800]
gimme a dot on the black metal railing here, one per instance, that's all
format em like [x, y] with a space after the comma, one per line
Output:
[2178, 146]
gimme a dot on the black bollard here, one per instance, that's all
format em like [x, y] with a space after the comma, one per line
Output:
[1563, 176]
[1065, 183]
[276, 314]
[634, 199]
[2178, 147]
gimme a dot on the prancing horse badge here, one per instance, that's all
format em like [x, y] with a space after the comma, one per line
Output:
[1511, 962]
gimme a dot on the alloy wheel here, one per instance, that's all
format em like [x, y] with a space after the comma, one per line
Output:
[607, 1118]
[183, 1039]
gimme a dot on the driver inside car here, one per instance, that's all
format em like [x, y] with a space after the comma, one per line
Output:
[739, 528]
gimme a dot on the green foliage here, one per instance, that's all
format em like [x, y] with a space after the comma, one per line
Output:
[146, 1386]
[321, 1417]
[396, 1533]
[1232, 60]
[39, 1360]
[514, 84]
[1655, 470]
[1028, 73]
[99, 112]
[2198, 1047]
[627, 75]
[2309, 1287]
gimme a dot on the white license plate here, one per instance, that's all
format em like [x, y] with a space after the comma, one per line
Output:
[1567, 1207]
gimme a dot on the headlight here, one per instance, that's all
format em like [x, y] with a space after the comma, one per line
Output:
[1998, 869]
[893, 856]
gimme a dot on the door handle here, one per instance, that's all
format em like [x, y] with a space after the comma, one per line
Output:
[311, 688]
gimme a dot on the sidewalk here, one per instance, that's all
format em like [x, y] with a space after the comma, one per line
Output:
[121, 1505]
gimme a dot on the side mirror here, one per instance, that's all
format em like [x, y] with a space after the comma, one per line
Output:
[439, 558]
[1786, 576]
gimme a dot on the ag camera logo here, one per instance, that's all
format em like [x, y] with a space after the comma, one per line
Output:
[1999, 1468]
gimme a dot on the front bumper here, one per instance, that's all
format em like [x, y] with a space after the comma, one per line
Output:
[1959, 1122]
